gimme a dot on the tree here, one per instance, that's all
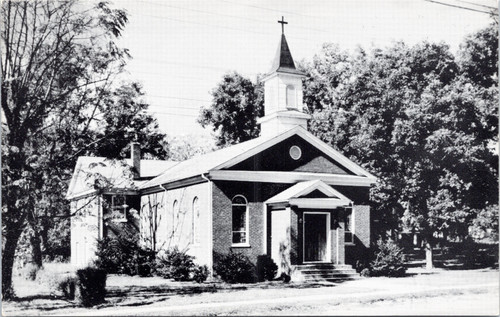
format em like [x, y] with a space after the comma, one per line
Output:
[478, 56]
[185, 147]
[236, 104]
[412, 118]
[59, 65]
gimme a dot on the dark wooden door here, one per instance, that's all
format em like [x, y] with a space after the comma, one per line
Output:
[315, 237]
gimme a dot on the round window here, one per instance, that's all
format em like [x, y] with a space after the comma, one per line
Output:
[295, 152]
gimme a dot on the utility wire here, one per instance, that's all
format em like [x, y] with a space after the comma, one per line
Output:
[218, 26]
[226, 15]
[171, 97]
[269, 9]
[457, 6]
[176, 107]
[164, 74]
[174, 114]
[477, 4]
[149, 60]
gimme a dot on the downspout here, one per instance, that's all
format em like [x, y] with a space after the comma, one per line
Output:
[164, 206]
[210, 214]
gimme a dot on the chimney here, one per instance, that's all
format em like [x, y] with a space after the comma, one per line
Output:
[135, 155]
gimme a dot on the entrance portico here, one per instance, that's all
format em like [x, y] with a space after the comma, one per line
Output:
[307, 225]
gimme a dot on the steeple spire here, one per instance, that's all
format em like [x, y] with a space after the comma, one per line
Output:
[283, 60]
[283, 106]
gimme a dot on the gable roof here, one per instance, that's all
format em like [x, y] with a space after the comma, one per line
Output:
[232, 155]
[111, 171]
[294, 196]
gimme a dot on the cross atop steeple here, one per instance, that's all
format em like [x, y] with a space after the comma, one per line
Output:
[282, 24]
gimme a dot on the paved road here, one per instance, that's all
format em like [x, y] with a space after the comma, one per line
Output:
[318, 302]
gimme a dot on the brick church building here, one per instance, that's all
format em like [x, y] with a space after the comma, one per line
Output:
[285, 194]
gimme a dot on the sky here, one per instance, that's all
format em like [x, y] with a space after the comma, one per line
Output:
[182, 48]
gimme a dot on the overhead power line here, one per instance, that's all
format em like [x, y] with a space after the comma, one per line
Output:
[227, 15]
[477, 4]
[218, 26]
[176, 107]
[174, 114]
[179, 98]
[457, 6]
[269, 9]
[165, 74]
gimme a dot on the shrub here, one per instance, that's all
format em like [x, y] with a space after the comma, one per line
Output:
[174, 264]
[285, 277]
[91, 286]
[199, 273]
[388, 260]
[180, 266]
[267, 269]
[143, 262]
[123, 255]
[365, 272]
[67, 286]
[234, 268]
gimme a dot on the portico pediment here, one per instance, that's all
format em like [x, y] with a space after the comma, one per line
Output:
[324, 196]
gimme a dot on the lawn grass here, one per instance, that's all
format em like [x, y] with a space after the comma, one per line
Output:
[126, 291]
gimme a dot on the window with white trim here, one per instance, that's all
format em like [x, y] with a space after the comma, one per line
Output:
[119, 207]
[195, 223]
[349, 226]
[240, 220]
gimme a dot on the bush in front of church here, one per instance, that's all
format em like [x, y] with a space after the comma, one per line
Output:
[266, 268]
[91, 286]
[179, 266]
[389, 260]
[234, 267]
[123, 255]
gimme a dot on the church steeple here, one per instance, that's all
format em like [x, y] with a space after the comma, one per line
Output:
[283, 60]
[283, 108]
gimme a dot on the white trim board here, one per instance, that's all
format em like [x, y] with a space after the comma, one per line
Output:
[291, 177]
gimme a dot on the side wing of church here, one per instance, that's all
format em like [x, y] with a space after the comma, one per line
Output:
[285, 194]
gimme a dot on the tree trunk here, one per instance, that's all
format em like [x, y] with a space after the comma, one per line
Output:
[36, 245]
[428, 255]
[11, 239]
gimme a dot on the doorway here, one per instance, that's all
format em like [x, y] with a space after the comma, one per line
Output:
[316, 229]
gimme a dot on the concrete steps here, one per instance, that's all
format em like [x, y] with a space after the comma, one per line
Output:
[325, 272]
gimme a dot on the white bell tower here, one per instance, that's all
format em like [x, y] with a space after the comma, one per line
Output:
[283, 107]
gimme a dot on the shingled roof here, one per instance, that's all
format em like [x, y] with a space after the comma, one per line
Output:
[227, 156]
[111, 170]
[283, 60]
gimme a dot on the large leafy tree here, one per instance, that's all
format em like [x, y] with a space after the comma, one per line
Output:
[236, 105]
[59, 97]
[423, 124]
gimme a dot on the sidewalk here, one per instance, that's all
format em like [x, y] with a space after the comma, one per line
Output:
[334, 296]
[421, 292]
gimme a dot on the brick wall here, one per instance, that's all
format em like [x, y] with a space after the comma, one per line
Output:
[359, 252]
[223, 193]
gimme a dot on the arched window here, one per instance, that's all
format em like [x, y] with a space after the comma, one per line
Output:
[195, 222]
[240, 220]
[291, 97]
